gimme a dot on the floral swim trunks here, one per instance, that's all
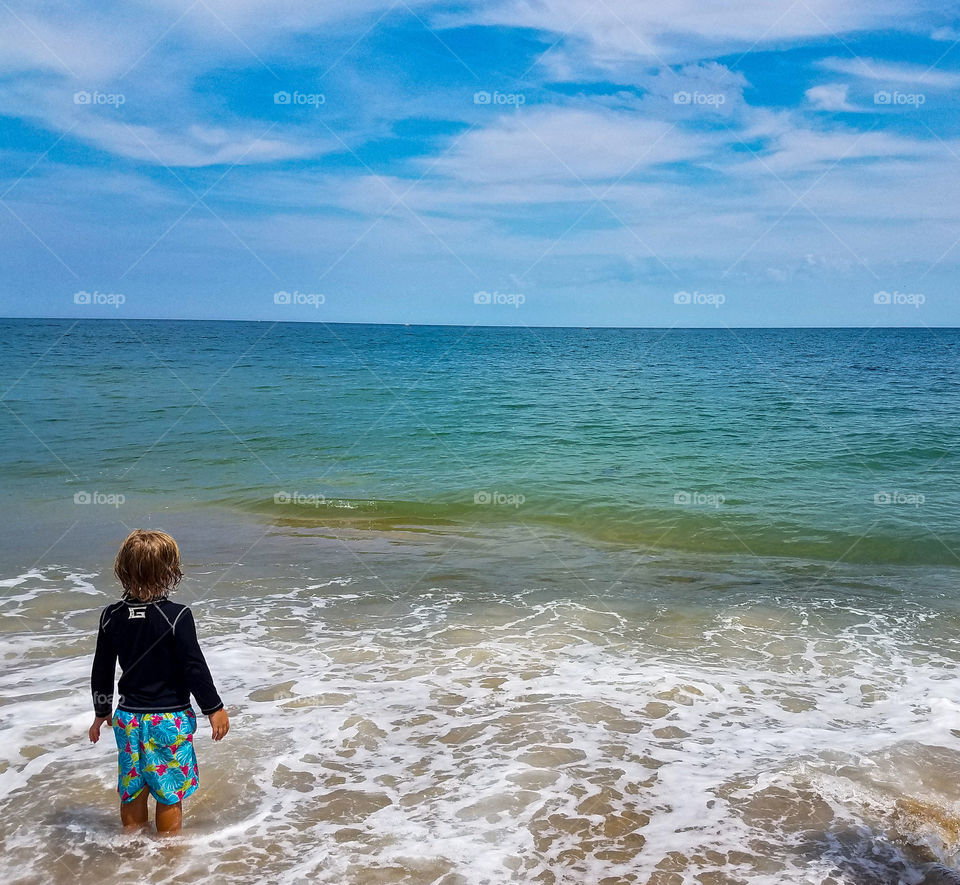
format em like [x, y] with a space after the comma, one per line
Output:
[156, 752]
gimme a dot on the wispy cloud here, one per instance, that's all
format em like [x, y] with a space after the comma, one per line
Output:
[894, 73]
[195, 145]
[614, 31]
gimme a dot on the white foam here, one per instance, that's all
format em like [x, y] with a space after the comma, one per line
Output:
[503, 751]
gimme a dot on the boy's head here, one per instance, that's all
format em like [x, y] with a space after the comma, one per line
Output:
[148, 565]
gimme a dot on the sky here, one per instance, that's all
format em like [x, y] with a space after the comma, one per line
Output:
[550, 162]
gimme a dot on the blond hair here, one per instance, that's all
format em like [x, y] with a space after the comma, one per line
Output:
[148, 565]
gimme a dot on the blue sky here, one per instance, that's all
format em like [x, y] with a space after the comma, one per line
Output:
[541, 163]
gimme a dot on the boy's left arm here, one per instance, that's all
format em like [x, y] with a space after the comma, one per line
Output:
[198, 674]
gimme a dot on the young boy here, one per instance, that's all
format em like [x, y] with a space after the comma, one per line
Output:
[155, 641]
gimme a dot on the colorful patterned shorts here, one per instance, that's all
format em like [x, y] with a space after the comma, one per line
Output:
[156, 752]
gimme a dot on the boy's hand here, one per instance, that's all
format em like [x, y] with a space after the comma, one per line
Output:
[220, 723]
[94, 732]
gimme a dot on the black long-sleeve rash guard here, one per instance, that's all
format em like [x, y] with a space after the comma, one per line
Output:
[160, 658]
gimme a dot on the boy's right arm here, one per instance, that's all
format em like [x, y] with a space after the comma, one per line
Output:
[103, 673]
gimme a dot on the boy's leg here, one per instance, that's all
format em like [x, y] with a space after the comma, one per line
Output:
[169, 818]
[133, 814]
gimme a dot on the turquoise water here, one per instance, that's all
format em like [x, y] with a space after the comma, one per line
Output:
[814, 444]
[488, 606]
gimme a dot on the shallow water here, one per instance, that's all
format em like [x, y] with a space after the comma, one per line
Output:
[656, 727]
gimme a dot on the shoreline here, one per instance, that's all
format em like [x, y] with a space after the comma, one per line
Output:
[218, 526]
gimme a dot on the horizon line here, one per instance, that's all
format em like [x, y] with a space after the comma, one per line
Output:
[448, 325]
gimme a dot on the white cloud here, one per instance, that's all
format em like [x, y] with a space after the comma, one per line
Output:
[567, 144]
[793, 148]
[155, 130]
[189, 145]
[96, 42]
[892, 72]
[263, 22]
[195, 145]
[74, 184]
[830, 97]
[951, 35]
[72, 46]
[619, 30]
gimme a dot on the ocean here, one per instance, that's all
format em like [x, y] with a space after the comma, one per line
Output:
[496, 605]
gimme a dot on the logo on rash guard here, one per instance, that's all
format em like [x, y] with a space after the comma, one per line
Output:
[136, 611]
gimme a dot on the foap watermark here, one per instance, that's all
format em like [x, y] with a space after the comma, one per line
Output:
[102, 699]
[711, 299]
[499, 499]
[911, 499]
[308, 299]
[299, 498]
[707, 99]
[311, 99]
[910, 299]
[99, 498]
[699, 499]
[109, 99]
[899, 99]
[109, 299]
[516, 99]
[514, 299]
